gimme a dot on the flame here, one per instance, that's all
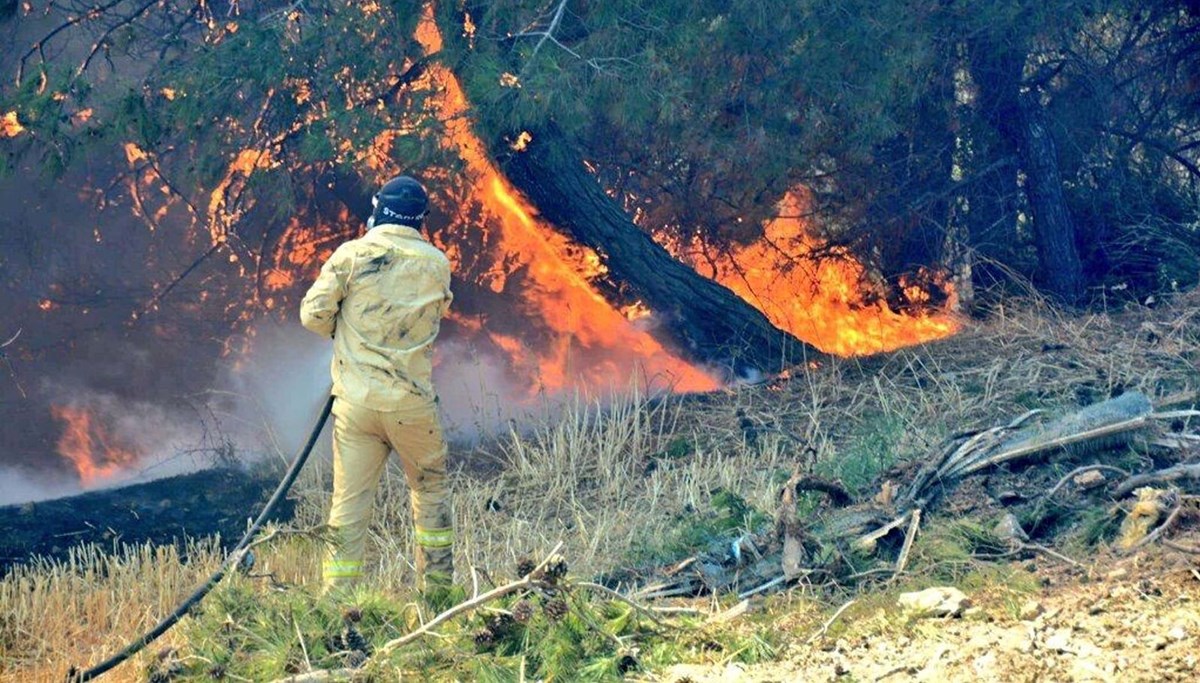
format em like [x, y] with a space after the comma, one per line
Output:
[821, 299]
[89, 446]
[594, 345]
[10, 126]
[134, 154]
[522, 141]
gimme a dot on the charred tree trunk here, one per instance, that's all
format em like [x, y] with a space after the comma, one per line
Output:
[708, 321]
[1020, 122]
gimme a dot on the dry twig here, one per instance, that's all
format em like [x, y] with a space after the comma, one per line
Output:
[528, 581]
[825, 627]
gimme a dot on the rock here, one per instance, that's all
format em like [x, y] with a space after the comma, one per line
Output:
[940, 601]
[976, 614]
[1030, 610]
[1059, 640]
[1089, 480]
[1009, 529]
[1177, 633]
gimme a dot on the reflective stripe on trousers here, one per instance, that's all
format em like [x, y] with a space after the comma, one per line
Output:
[362, 441]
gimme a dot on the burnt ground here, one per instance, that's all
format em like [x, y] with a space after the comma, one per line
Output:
[165, 511]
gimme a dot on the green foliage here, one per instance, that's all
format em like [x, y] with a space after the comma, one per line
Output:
[728, 515]
[569, 633]
[872, 448]
[889, 112]
[946, 549]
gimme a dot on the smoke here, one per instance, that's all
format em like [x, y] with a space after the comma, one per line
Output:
[262, 404]
[110, 441]
[272, 394]
[478, 396]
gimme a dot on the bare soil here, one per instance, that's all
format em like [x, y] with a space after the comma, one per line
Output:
[1130, 619]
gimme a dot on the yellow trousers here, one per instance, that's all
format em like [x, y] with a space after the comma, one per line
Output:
[362, 440]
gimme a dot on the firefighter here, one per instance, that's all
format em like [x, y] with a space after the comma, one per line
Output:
[382, 297]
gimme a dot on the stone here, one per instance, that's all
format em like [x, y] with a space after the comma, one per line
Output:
[1030, 610]
[939, 601]
[1059, 640]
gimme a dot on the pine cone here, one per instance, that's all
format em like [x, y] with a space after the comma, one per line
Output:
[524, 567]
[556, 568]
[356, 642]
[522, 612]
[336, 643]
[484, 638]
[500, 624]
[555, 609]
[356, 659]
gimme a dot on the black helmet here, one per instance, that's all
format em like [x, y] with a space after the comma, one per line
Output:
[402, 201]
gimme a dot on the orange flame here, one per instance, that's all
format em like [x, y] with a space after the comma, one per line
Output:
[89, 446]
[822, 300]
[596, 344]
[10, 126]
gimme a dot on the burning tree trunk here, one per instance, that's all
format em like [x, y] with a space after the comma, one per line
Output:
[708, 321]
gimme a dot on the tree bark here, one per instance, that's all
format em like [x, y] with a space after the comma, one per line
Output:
[708, 322]
[1053, 228]
[997, 67]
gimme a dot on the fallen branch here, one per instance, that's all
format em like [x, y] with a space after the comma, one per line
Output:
[764, 587]
[628, 601]
[527, 581]
[838, 495]
[913, 526]
[1037, 547]
[1181, 548]
[869, 539]
[1188, 471]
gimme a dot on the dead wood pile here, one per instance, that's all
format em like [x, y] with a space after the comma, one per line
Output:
[880, 532]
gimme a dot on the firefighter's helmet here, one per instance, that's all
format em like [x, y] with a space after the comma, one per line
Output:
[402, 201]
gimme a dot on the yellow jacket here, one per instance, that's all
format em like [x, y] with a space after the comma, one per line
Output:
[381, 297]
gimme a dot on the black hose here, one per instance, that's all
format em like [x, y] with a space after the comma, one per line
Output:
[234, 557]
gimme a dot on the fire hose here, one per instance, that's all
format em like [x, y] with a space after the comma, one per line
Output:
[232, 560]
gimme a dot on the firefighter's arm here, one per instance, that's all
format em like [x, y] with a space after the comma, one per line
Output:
[318, 311]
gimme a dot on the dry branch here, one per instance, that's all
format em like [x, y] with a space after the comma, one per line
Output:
[527, 581]
[1186, 471]
[913, 527]
[1078, 471]
[825, 627]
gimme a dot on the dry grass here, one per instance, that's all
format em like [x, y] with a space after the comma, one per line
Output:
[608, 481]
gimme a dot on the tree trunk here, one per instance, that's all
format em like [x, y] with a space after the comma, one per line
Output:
[708, 322]
[1020, 121]
[1053, 228]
